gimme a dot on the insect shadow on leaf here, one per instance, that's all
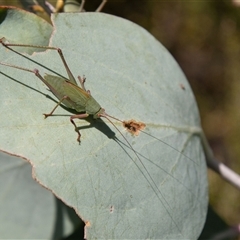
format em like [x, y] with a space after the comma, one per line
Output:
[27, 86]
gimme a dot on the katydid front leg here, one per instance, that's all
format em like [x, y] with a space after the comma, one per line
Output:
[82, 82]
[59, 51]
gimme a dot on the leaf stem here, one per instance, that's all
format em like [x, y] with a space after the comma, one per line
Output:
[220, 168]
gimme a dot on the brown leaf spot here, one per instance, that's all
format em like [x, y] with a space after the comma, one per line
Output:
[111, 209]
[133, 126]
[182, 86]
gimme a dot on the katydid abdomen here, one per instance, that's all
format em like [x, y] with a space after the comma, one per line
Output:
[76, 97]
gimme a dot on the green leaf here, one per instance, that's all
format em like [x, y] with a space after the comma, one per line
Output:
[19, 26]
[28, 211]
[23, 202]
[131, 75]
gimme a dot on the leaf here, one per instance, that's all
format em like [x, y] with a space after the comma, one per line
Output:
[29, 211]
[20, 206]
[162, 194]
[18, 26]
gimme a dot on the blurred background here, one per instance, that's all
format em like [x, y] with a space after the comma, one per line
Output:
[204, 38]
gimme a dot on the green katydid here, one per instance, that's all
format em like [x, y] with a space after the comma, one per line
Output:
[80, 99]
[68, 92]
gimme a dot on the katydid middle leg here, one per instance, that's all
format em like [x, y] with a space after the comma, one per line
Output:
[79, 116]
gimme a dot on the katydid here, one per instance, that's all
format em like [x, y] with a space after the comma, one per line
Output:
[66, 90]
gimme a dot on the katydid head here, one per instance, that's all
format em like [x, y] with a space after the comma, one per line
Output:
[99, 114]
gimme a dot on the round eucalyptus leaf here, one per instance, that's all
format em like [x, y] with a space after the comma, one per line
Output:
[150, 186]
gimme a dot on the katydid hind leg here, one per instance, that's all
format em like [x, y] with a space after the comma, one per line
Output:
[35, 71]
[17, 67]
[79, 116]
[69, 73]
[37, 74]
